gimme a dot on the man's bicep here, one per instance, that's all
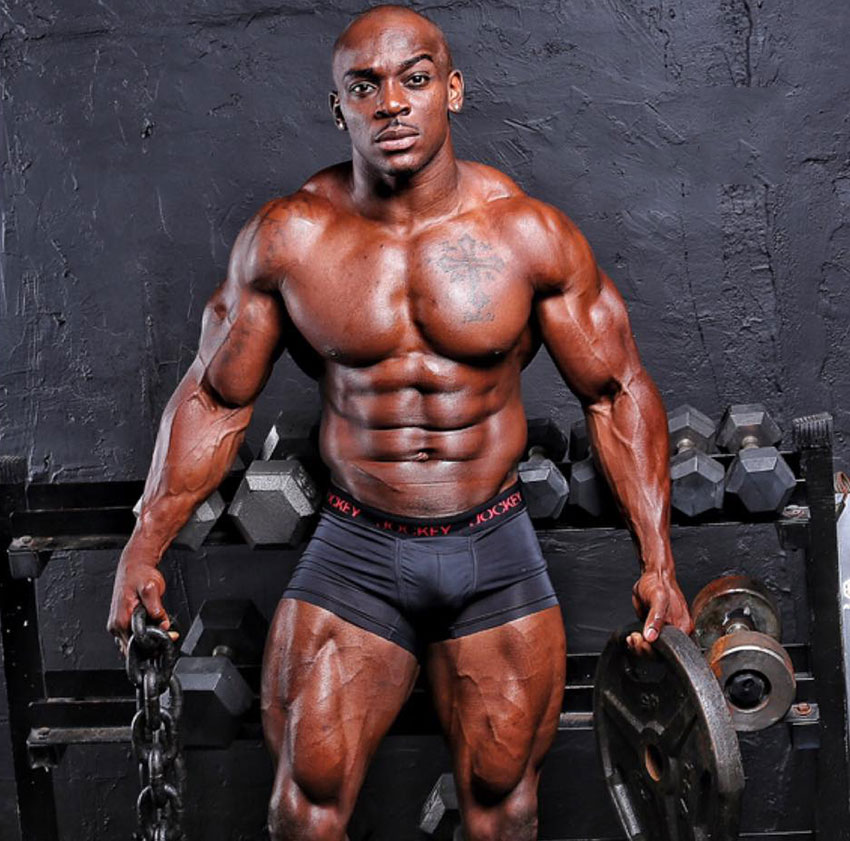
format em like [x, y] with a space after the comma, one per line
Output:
[241, 337]
[243, 323]
[587, 332]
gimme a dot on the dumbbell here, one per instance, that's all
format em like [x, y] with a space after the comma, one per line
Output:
[203, 519]
[737, 621]
[759, 477]
[225, 634]
[579, 441]
[440, 816]
[244, 457]
[696, 478]
[588, 488]
[199, 524]
[277, 496]
[543, 485]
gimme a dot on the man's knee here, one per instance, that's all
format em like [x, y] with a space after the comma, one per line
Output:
[494, 773]
[513, 818]
[295, 816]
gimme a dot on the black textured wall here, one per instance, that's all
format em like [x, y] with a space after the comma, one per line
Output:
[703, 147]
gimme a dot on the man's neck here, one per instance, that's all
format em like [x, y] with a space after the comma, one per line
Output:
[430, 193]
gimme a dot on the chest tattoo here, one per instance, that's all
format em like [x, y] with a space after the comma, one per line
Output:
[471, 264]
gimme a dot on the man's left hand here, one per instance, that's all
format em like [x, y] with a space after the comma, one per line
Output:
[658, 601]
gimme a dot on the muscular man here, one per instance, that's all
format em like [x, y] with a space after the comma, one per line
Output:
[415, 287]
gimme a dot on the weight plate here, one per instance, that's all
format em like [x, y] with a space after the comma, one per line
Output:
[668, 750]
[734, 602]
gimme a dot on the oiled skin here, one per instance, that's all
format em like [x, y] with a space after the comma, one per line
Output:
[422, 334]
[414, 287]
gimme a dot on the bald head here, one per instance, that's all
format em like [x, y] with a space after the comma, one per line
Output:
[396, 88]
[381, 22]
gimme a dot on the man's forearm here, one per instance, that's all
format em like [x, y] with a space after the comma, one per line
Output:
[197, 442]
[629, 433]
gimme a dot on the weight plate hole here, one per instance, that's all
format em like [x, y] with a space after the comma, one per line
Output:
[654, 761]
[748, 690]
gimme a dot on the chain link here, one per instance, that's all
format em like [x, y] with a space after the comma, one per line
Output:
[155, 733]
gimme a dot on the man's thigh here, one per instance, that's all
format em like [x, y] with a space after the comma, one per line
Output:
[498, 695]
[330, 691]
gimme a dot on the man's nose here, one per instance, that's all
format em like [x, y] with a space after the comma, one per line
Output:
[392, 101]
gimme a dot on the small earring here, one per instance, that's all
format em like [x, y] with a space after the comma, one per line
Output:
[340, 124]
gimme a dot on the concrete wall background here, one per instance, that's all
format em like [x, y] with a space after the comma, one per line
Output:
[702, 147]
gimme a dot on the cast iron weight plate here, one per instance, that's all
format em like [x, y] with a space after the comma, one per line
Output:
[668, 750]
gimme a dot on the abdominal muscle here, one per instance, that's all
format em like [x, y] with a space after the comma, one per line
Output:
[419, 448]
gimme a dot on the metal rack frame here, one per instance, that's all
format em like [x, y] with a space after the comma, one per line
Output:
[37, 520]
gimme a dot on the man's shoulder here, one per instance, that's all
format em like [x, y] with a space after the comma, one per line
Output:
[488, 183]
[295, 218]
[329, 188]
[551, 245]
[502, 196]
[314, 201]
[512, 203]
[280, 231]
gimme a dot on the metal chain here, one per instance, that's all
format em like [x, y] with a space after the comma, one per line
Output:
[155, 732]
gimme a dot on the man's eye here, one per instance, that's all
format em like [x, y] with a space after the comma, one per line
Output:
[360, 88]
[418, 79]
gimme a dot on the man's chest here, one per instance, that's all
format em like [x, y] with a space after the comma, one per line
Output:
[361, 293]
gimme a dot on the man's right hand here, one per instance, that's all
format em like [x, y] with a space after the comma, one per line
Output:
[136, 581]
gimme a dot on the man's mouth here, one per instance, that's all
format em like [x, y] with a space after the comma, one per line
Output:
[396, 138]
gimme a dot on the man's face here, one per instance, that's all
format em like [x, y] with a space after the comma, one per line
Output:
[394, 92]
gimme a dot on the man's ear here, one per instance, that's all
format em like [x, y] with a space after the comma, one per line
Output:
[455, 83]
[336, 110]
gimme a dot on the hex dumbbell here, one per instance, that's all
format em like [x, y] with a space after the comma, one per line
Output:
[544, 486]
[579, 441]
[588, 489]
[225, 634]
[244, 457]
[696, 478]
[759, 477]
[278, 496]
[203, 519]
[201, 522]
[440, 816]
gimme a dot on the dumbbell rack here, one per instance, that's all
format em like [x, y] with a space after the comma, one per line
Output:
[38, 520]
